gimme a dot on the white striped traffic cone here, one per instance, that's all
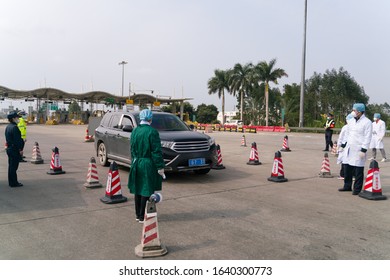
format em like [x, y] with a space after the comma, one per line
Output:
[277, 173]
[113, 187]
[219, 164]
[325, 168]
[88, 138]
[285, 147]
[334, 149]
[254, 156]
[92, 175]
[243, 141]
[150, 241]
[55, 164]
[36, 154]
[372, 187]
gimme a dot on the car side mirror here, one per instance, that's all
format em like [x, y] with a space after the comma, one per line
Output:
[127, 128]
[192, 126]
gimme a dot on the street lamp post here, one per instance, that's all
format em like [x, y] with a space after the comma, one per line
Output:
[123, 73]
[301, 102]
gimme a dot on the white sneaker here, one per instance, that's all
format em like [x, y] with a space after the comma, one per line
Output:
[383, 160]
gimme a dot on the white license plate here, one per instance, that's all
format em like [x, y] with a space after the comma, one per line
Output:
[196, 161]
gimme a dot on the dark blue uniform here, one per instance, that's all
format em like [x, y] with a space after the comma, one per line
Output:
[14, 146]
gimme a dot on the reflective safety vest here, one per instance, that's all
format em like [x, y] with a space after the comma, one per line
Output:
[23, 128]
[329, 123]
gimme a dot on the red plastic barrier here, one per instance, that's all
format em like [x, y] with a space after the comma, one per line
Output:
[269, 128]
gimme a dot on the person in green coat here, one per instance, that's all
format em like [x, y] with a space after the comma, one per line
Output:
[147, 166]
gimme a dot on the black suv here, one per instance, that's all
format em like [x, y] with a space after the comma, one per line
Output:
[183, 149]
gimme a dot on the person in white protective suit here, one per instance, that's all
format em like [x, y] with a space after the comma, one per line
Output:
[342, 141]
[378, 132]
[359, 133]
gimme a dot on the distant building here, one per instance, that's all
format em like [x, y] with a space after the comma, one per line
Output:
[229, 115]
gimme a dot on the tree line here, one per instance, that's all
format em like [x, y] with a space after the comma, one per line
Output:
[334, 91]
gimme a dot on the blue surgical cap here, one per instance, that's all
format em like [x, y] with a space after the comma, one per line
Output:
[145, 115]
[348, 117]
[377, 115]
[359, 107]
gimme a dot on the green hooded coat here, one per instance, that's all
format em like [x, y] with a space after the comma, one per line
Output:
[145, 148]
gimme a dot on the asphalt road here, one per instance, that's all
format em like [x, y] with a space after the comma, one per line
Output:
[234, 213]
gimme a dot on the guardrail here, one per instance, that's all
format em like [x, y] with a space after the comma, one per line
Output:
[256, 128]
[313, 129]
[234, 128]
[321, 130]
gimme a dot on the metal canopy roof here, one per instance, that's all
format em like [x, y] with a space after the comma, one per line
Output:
[92, 96]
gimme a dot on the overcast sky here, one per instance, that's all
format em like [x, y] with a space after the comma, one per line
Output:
[174, 46]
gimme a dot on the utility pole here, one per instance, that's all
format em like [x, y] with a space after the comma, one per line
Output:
[123, 73]
[303, 71]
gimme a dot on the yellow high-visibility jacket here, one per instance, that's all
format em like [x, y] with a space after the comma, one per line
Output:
[23, 128]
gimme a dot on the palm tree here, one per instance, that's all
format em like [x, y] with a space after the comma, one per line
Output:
[265, 72]
[218, 84]
[241, 81]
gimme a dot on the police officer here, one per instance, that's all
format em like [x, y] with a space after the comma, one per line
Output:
[14, 148]
[328, 126]
[23, 131]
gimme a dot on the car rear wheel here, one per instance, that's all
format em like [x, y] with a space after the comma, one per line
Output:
[102, 154]
[202, 171]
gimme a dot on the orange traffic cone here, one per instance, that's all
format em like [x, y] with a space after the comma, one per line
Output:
[113, 187]
[325, 168]
[334, 149]
[285, 147]
[88, 138]
[277, 173]
[36, 154]
[254, 156]
[372, 187]
[150, 241]
[219, 164]
[55, 164]
[243, 141]
[92, 176]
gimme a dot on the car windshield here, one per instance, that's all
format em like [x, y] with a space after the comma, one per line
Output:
[166, 122]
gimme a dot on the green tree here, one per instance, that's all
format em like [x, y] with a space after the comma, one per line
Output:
[74, 108]
[240, 82]
[206, 113]
[334, 91]
[174, 108]
[218, 84]
[291, 99]
[266, 73]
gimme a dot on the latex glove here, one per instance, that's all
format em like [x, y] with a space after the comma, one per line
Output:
[362, 155]
[341, 149]
[161, 173]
